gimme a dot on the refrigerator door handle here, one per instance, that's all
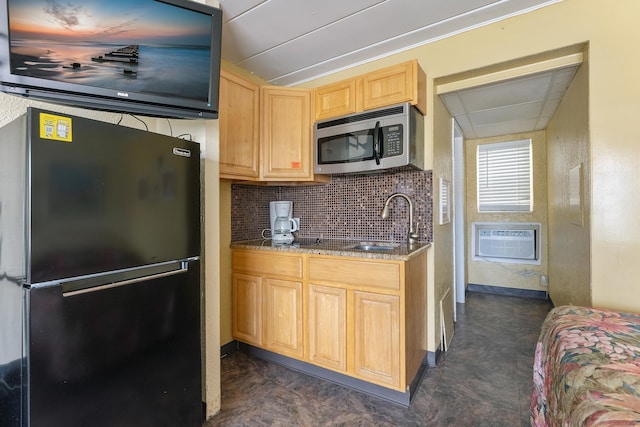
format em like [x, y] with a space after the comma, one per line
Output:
[183, 269]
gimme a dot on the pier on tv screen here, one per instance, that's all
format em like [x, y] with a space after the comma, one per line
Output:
[142, 46]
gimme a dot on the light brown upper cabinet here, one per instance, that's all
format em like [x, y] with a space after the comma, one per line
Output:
[239, 125]
[404, 82]
[400, 83]
[265, 132]
[337, 99]
[285, 134]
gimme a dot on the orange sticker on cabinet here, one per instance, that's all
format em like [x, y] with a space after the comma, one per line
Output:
[295, 165]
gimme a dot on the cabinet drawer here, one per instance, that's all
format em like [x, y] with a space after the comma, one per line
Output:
[367, 273]
[267, 263]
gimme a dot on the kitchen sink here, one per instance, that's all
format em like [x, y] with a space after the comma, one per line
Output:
[373, 246]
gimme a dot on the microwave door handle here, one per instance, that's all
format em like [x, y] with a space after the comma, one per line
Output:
[380, 143]
[376, 143]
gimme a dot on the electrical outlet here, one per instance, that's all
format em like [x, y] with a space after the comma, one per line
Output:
[544, 280]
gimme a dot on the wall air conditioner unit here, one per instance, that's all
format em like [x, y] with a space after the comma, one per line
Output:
[506, 242]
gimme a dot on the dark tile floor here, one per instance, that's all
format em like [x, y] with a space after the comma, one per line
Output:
[483, 380]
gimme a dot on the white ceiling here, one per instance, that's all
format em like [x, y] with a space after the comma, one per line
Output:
[287, 42]
[290, 41]
[516, 105]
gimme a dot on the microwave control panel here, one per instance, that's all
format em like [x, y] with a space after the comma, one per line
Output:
[392, 137]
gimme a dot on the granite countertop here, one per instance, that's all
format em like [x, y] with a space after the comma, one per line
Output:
[401, 252]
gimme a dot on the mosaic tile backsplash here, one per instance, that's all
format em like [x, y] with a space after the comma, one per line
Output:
[346, 208]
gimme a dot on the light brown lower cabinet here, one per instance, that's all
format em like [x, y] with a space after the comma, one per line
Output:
[267, 301]
[247, 310]
[327, 320]
[361, 317]
[283, 309]
[377, 338]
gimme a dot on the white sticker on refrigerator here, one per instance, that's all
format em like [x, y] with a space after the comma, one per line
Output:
[181, 152]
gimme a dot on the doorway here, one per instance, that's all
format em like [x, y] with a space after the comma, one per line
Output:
[519, 98]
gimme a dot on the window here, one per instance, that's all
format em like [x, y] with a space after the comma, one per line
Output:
[504, 176]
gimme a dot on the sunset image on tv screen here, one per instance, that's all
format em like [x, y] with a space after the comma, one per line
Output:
[141, 46]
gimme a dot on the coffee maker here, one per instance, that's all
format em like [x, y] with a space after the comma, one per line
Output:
[282, 222]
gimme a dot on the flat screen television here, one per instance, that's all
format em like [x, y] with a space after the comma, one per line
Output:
[150, 57]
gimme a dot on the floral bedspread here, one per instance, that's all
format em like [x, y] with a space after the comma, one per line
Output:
[587, 369]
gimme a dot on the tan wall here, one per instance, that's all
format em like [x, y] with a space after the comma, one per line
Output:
[511, 275]
[569, 244]
[225, 262]
[211, 261]
[442, 251]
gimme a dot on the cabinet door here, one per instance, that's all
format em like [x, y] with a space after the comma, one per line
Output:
[247, 308]
[238, 121]
[328, 327]
[336, 99]
[284, 317]
[377, 338]
[392, 85]
[286, 129]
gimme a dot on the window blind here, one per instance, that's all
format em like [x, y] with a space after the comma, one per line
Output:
[504, 176]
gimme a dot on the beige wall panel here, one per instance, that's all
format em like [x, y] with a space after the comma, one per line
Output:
[225, 262]
[569, 244]
[442, 233]
[511, 275]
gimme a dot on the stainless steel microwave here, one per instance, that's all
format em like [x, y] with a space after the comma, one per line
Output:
[370, 141]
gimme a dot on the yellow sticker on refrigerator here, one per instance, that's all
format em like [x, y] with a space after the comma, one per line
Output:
[57, 128]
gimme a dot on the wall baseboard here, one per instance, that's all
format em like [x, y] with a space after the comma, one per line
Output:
[228, 349]
[499, 290]
[390, 395]
[434, 356]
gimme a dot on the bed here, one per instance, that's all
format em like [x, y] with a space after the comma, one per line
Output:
[587, 369]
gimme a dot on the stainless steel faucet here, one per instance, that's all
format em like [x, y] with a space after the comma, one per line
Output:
[412, 235]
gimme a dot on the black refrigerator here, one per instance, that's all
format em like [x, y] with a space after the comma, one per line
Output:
[99, 275]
